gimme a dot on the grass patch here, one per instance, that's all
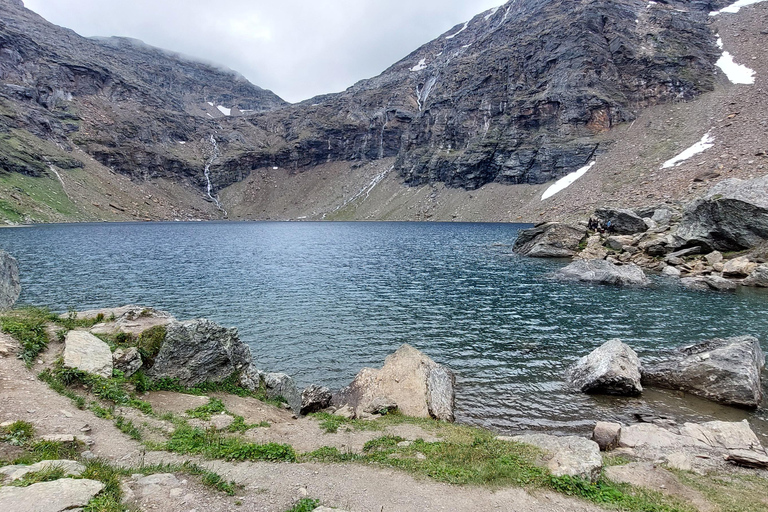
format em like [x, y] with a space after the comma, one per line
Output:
[46, 475]
[211, 444]
[55, 450]
[110, 499]
[730, 493]
[17, 433]
[27, 326]
[305, 505]
[330, 423]
[208, 478]
[204, 412]
[127, 427]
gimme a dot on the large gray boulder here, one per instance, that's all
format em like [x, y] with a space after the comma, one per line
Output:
[282, 386]
[611, 369]
[85, 352]
[566, 455]
[603, 272]
[623, 222]
[726, 371]
[758, 277]
[57, 496]
[198, 351]
[732, 216]
[549, 240]
[10, 286]
[419, 386]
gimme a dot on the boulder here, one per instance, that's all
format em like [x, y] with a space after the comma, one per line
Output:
[315, 398]
[69, 467]
[722, 435]
[603, 272]
[714, 257]
[607, 435]
[758, 277]
[611, 369]
[127, 361]
[732, 216]
[748, 459]
[419, 386]
[671, 271]
[726, 371]
[594, 249]
[282, 386]
[549, 240]
[251, 378]
[86, 352]
[623, 222]
[738, 267]
[566, 456]
[10, 285]
[55, 496]
[200, 351]
[618, 242]
[720, 284]
[694, 283]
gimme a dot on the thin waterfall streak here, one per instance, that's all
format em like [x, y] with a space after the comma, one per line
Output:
[207, 172]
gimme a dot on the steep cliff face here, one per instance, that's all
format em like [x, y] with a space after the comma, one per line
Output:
[516, 95]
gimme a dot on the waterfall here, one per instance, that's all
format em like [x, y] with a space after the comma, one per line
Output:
[207, 172]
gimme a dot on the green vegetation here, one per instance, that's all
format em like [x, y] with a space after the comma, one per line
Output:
[27, 326]
[731, 493]
[127, 427]
[21, 434]
[204, 412]
[305, 505]
[17, 433]
[330, 423]
[213, 445]
[46, 475]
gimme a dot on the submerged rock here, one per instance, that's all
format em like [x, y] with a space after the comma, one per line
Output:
[86, 352]
[200, 351]
[419, 386]
[10, 285]
[611, 369]
[726, 371]
[603, 272]
[549, 240]
[566, 456]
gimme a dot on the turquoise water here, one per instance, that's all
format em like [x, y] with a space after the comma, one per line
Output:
[322, 300]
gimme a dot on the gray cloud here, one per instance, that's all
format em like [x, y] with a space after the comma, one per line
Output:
[296, 48]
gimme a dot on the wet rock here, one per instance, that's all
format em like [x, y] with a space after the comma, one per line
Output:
[758, 277]
[549, 240]
[603, 272]
[315, 398]
[200, 351]
[611, 369]
[566, 456]
[695, 283]
[55, 496]
[282, 386]
[607, 435]
[720, 284]
[10, 285]
[127, 361]
[70, 468]
[419, 386]
[722, 370]
[86, 352]
[623, 222]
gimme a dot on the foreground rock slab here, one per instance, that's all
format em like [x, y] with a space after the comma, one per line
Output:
[200, 351]
[56, 496]
[549, 240]
[603, 272]
[611, 369]
[70, 468]
[86, 352]
[566, 456]
[10, 285]
[726, 371]
[419, 386]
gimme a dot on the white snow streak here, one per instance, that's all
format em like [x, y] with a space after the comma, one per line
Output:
[224, 110]
[706, 142]
[365, 190]
[736, 73]
[719, 42]
[462, 29]
[735, 7]
[493, 11]
[421, 65]
[566, 181]
[210, 103]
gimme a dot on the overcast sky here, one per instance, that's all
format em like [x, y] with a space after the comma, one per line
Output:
[296, 48]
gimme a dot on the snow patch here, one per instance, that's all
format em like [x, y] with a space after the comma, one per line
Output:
[421, 65]
[566, 181]
[182, 142]
[462, 29]
[735, 7]
[275, 168]
[706, 142]
[719, 41]
[210, 103]
[224, 110]
[492, 12]
[736, 73]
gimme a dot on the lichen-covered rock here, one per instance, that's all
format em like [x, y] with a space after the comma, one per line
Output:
[419, 386]
[10, 285]
[86, 352]
[603, 272]
[549, 240]
[127, 361]
[315, 398]
[200, 351]
[722, 370]
[567, 455]
[611, 369]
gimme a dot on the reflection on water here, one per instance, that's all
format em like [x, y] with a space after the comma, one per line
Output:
[322, 300]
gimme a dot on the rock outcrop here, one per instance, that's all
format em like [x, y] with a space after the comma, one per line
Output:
[611, 369]
[127, 361]
[10, 286]
[315, 398]
[282, 386]
[56, 496]
[84, 351]
[129, 319]
[419, 386]
[726, 371]
[622, 221]
[199, 351]
[549, 240]
[566, 455]
[603, 272]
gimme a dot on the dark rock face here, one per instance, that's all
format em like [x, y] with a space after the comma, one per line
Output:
[611, 369]
[722, 370]
[282, 386]
[10, 286]
[200, 351]
[603, 272]
[732, 217]
[315, 398]
[549, 240]
[623, 222]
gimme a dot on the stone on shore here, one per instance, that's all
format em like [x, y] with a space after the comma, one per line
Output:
[611, 369]
[566, 456]
[56, 496]
[200, 351]
[282, 386]
[758, 277]
[127, 361]
[603, 272]
[419, 386]
[549, 240]
[314, 399]
[726, 371]
[738, 267]
[607, 435]
[10, 285]
[87, 353]
[130, 319]
[623, 221]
